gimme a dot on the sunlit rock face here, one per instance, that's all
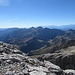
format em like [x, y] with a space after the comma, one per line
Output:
[15, 62]
[65, 58]
[69, 72]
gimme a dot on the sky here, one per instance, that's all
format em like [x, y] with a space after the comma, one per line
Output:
[28, 13]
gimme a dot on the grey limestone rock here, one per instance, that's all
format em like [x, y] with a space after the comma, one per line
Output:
[15, 62]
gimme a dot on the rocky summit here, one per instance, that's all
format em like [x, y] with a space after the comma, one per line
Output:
[15, 62]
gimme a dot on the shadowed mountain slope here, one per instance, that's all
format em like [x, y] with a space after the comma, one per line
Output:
[32, 38]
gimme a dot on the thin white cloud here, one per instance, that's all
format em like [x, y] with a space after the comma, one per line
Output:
[7, 2]
[4, 2]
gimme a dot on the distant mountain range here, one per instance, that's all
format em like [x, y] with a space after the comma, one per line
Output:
[38, 40]
[29, 39]
[62, 27]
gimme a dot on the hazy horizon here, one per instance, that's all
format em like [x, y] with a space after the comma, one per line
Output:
[71, 26]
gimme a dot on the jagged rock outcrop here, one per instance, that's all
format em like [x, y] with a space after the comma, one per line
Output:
[15, 62]
[64, 58]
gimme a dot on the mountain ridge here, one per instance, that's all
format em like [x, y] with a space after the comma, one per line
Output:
[32, 36]
[35, 40]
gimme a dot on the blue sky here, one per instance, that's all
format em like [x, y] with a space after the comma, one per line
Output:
[28, 13]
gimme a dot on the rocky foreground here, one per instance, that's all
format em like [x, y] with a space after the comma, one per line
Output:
[15, 62]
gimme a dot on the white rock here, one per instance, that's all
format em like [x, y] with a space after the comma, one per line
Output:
[50, 65]
[9, 73]
[37, 73]
[39, 68]
[69, 71]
